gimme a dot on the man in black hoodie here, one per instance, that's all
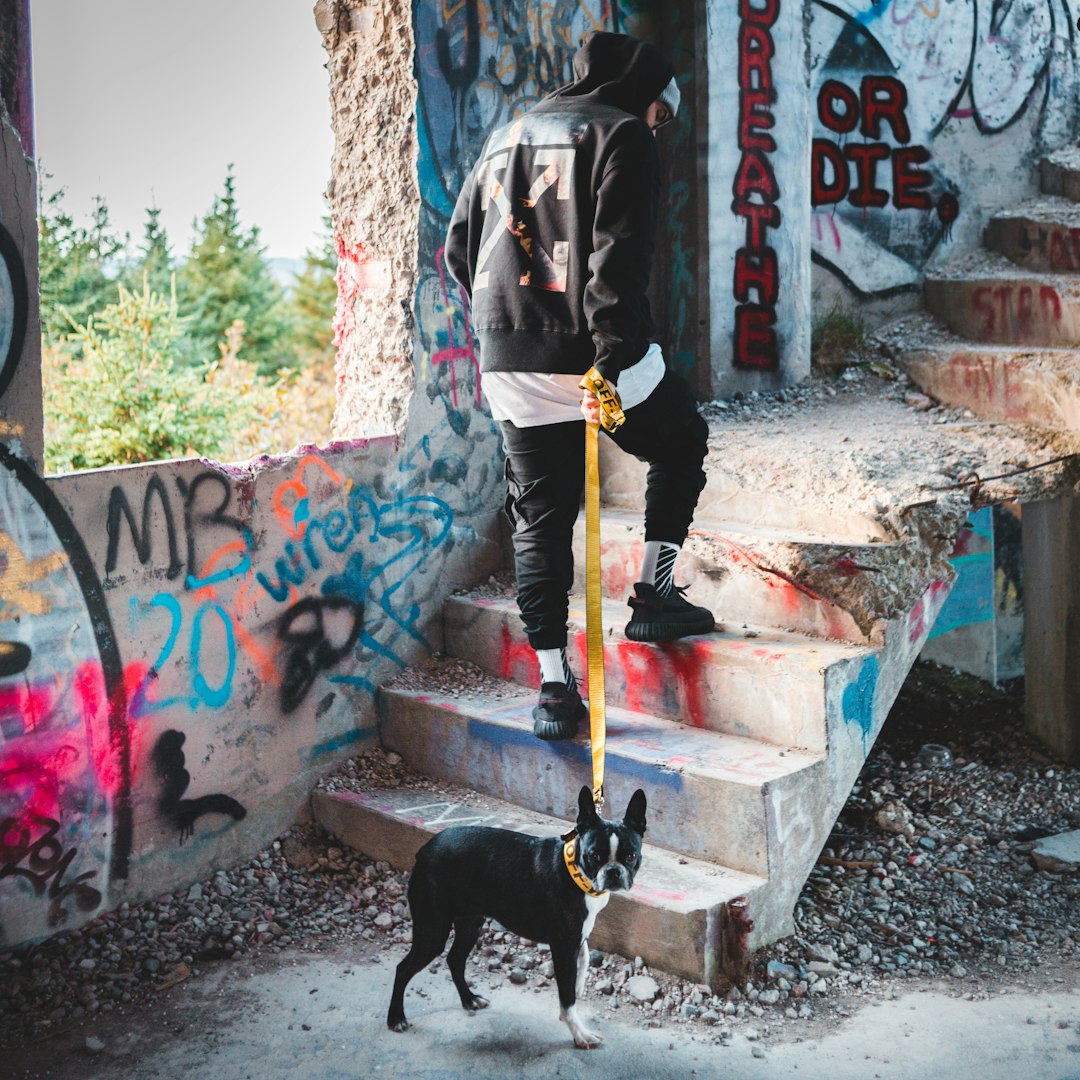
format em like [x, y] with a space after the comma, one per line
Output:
[552, 238]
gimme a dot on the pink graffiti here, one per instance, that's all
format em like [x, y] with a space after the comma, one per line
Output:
[453, 352]
[351, 280]
[926, 610]
[67, 742]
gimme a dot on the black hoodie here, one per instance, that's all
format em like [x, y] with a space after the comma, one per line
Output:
[552, 234]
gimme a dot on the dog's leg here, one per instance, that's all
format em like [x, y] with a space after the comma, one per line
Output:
[582, 968]
[431, 928]
[466, 931]
[565, 960]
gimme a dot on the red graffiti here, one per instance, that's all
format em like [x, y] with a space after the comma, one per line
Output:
[852, 171]
[517, 660]
[1009, 312]
[926, 610]
[1064, 249]
[990, 382]
[756, 192]
[350, 283]
[454, 352]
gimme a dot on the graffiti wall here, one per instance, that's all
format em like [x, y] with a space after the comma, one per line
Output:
[926, 119]
[20, 350]
[184, 647]
[479, 65]
[981, 627]
[758, 159]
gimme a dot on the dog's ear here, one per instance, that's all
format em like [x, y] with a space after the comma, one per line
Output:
[634, 818]
[586, 809]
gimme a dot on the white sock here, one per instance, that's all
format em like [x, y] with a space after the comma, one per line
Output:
[554, 667]
[658, 566]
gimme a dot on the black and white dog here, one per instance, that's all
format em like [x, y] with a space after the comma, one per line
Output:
[547, 890]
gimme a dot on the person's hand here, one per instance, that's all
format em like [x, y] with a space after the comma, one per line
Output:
[590, 407]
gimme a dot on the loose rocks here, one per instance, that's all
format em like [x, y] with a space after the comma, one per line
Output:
[882, 909]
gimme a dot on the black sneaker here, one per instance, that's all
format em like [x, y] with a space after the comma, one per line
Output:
[558, 712]
[664, 618]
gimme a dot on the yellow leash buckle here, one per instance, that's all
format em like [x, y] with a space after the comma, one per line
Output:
[611, 410]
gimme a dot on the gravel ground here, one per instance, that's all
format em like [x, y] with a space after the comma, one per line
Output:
[927, 876]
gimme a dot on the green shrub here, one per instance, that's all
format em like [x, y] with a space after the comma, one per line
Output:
[834, 339]
[122, 395]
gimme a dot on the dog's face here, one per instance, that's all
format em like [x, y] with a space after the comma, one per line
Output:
[609, 852]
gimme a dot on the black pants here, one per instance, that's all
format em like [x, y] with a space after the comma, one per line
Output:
[545, 475]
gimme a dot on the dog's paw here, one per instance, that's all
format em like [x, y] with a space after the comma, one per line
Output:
[584, 1039]
[475, 1003]
[397, 1023]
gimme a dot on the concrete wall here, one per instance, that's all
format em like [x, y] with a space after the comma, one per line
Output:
[758, 175]
[20, 324]
[981, 627]
[927, 118]
[186, 646]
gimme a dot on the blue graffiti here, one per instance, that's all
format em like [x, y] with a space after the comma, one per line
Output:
[858, 700]
[400, 535]
[972, 597]
[202, 692]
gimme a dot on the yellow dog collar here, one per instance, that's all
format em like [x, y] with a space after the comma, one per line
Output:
[580, 880]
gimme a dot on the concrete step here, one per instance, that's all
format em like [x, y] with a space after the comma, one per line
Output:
[622, 485]
[758, 683]
[755, 574]
[711, 796]
[674, 917]
[1059, 173]
[984, 297]
[1041, 235]
[1039, 386]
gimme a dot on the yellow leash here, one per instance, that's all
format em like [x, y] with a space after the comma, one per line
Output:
[594, 627]
[612, 417]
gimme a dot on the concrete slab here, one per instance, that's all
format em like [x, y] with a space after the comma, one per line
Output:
[755, 682]
[983, 296]
[1059, 173]
[673, 917]
[1020, 385]
[324, 1016]
[1060, 852]
[707, 791]
[761, 574]
[857, 453]
[1040, 234]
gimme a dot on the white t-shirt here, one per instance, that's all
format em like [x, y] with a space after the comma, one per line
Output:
[531, 398]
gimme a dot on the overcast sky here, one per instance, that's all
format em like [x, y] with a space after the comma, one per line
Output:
[147, 102]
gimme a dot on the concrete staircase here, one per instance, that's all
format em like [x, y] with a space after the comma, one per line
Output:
[747, 740]
[1004, 321]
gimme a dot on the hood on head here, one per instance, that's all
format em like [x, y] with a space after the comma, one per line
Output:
[618, 70]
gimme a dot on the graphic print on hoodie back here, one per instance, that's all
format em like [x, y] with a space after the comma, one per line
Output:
[552, 234]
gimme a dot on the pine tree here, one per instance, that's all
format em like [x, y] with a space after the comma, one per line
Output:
[226, 278]
[76, 266]
[313, 298]
[153, 264]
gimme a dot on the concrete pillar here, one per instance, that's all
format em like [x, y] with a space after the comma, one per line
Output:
[759, 139]
[20, 332]
[1052, 630]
